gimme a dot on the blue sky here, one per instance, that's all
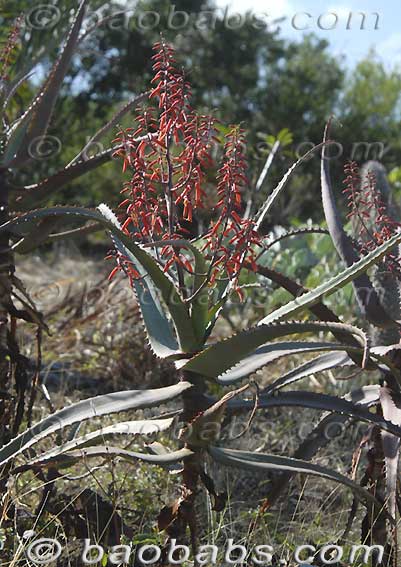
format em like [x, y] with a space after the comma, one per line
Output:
[353, 43]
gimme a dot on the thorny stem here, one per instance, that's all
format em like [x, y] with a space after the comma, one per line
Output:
[6, 269]
[7, 367]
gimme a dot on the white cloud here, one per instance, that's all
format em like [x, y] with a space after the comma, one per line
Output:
[273, 8]
[390, 48]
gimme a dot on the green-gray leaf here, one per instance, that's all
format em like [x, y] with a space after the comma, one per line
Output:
[267, 354]
[262, 462]
[34, 122]
[220, 357]
[319, 364]
[296, 306]
[329, 427]
[158, 328]
[317, 401]
[69, 459]
[90, 408]
[131, 428]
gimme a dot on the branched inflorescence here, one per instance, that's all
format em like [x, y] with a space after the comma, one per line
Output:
[366, 206]
[169, 156]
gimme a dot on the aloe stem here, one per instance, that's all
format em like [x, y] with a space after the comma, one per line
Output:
[194, 402]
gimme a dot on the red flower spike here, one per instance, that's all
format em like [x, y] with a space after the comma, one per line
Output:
[366, 204]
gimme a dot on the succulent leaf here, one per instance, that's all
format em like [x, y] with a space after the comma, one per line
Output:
[262, 462]
[159, 331]
[322, 402]
[140, 427]
[333, 284]
[39, 234]
[265, 209]
[29, 196]
[69, 459]
[267, 354]
[86, 409]
[34, 122]
[391, 406]
[330, 426]
[200, 301]
[218, 358]
[320, 363]
[108, 126]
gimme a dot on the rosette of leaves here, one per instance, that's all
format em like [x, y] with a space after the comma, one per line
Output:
[182, 283]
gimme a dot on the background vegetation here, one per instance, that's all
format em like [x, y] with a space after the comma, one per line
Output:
[246, 74]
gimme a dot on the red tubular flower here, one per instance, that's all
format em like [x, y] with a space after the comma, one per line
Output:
[123, 265]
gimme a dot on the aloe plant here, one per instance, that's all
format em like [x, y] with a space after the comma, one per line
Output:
[374, 213]
[182, 281]
[374, 221]
[18, 133]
